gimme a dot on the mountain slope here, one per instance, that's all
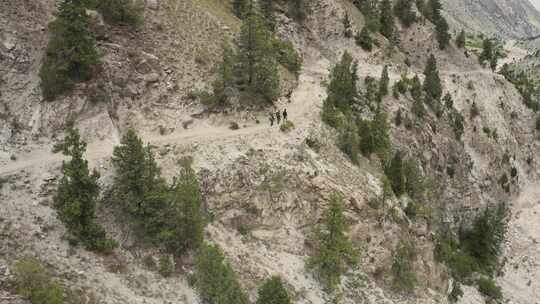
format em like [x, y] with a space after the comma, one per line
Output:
[506, 18]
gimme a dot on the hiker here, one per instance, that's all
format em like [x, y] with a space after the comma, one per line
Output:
[271, 119]
[284, 114]
[278, 117]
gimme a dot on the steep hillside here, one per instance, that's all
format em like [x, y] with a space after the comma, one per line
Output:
[506, 18]
[265, 190]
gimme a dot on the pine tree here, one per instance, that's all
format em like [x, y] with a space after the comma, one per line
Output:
[226, 76]
[267, 9]
[395, 174]
[387, 19]
[257, 61]
[488, 53]
[433, 10]
[215, 279]
[461, 39]
[347, 32]
[273, 292]
[138, 182]
[448, 101]
[71, 54]
[334, 251]
[77, 195]
[348, 140]
[383, 84]
[432, 82]
[342, 90]
[443, 34]
[404, 11]
[241, 8]
[364, 40]
[183, 228]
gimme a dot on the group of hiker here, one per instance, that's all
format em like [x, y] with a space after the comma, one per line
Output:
[277, 117]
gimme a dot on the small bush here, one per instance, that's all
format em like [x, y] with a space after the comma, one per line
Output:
[456, 293]
[488, 288]
[273, 292]
[287, 126]
[404, 277]
[364, 40]
[35, 283]
[121, 11]
[166, 266]
[234, 126]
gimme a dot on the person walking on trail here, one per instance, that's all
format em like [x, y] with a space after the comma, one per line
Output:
[271, 119]
[278, 117]
[284, 114]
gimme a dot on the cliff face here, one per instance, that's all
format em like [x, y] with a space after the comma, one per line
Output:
[506, 18]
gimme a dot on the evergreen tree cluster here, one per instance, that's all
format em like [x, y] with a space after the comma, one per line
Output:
[491, 52]
[253, 67]
[77, 195]
[35, 283]
[334, 252]
[432, 11]
[526, 86]
[71, 55]
[171, 215]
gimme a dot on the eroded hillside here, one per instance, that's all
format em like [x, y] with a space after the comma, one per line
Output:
[264, 190]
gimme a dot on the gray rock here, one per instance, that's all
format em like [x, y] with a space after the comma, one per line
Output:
[152, 4]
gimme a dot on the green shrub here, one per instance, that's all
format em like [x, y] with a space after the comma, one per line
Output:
[121, 11]
[394, 170]
[364, 40]
[404, 277]
[488, 288]
[348, 141]
[215, 279]
[456, 293]
[334, 251]
[273, 292]
[71, 55]
[485, 240]
[374, 135]
[287, 126]
[166, 266]
[287, 55]
[35, 283]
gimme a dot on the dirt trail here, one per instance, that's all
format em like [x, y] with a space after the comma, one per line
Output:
[306, 99]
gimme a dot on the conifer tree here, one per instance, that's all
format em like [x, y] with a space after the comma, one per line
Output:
[364, 40]
[489, 53]
[257, 60]
[226, 76]
[342, 90]
[215, 279]
[370, 10]
[383, 84]
[432, 82]
[334, 251]
[138, 180]
[348, 140]
[387, 19]
[404, 11]
[448, 101]
[461, 39]
[71, 54]
[267, 9]
[183, 228]
[347, 32]
[395, 174]
[77, 195]
[443, 34]
[241, 8]
[273, 292]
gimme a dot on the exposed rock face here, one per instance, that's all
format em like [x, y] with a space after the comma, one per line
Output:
[507, 18]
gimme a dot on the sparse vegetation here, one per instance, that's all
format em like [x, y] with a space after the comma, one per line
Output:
[34, 282]
[402, 267]
[121, 11]
[364, 40]
[287, 126]
[488, 288]
[166, 266]
[333, 250]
